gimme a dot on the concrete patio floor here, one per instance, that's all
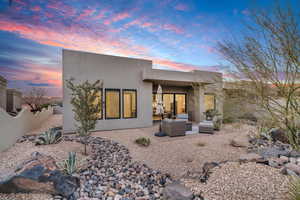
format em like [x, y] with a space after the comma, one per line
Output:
[177, 155]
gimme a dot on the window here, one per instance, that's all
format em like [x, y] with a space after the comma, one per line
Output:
[129, 104]
[112, 104]
[209, 102]
[168, 101]
[98, 100]
[180, 107]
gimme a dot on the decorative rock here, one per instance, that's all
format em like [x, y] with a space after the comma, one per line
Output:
[284, 159]
[39, 174]
[293, 167]
[293, 160]
[239, 142]
[294, 154]
[275, 162]
[250, 157]
[269, 152]
[278, 135]
[176, 191]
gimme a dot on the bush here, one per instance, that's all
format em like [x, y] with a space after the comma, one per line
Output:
[201, 144]
[52, 136]
[228, 120]
[249, 116]
[142, 141]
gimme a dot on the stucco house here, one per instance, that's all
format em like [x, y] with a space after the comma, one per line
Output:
[129, 87]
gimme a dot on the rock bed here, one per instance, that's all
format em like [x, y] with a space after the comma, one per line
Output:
[112, 175]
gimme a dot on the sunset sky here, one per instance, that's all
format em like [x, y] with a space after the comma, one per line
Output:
[176, 35]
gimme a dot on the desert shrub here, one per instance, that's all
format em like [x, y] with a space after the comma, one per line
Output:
[86, 105]
[201, 144]
[294, 189]
[217, 121]
[51, 136]
[71, 165]
[228, 120]
[249, 116]
[142, 141]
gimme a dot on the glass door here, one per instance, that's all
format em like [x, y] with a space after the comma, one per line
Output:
[168, 101]
[180, 102]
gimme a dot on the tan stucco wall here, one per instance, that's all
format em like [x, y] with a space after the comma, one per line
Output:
[13, 128]
[3, 85]
[115, 72]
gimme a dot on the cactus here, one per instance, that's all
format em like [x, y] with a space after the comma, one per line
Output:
[51, 136]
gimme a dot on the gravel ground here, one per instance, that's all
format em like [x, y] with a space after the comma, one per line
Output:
[20, 152]
[234, 181]
[178, 155]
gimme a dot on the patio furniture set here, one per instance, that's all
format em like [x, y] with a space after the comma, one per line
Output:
[180, 125]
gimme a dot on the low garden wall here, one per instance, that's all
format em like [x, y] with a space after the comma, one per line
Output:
[12, 128]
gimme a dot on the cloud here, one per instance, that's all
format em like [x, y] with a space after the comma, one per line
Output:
[116, 18]
[181, 7]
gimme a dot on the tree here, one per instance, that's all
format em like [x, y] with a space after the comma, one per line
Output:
[268, 56]
[36, 98]
[86, 106]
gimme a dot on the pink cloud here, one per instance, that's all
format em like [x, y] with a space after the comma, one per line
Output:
[173, 28]
[116, 18]
[86, 13]
[182, 7]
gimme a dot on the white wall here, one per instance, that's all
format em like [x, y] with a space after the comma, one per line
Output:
[115, 72]
[12, 128]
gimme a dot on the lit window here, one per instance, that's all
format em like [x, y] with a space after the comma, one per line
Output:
[129, 104]
[209, 102]
[112, 103]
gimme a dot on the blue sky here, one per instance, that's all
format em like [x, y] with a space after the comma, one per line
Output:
[175, 34]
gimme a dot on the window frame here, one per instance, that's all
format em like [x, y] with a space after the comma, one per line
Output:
[123, 107]
[115, 90]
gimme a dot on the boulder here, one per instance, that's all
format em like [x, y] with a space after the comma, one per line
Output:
[276, 162]
[293, 167]
[251, 157]
[39, 174]
[239, 142]
[269, 152]
[294, 154]
[177, 191]
[278, 135]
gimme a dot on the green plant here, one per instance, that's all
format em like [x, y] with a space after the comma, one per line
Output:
[86, 106]
[142, 141]
[217, 121]
[201, 144]
[51, 136]
[211, 113]
[70, 165]
[294, 189]
[228, 120]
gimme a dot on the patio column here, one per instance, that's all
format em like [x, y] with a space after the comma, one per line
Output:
[199, 103]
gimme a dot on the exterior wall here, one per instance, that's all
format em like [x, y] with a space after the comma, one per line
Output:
[14, 100]
[3, 85]
[13, 128]
[115, 72]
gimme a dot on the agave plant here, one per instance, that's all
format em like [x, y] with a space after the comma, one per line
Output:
[294, 189]
[70, 165]
[51, 136]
